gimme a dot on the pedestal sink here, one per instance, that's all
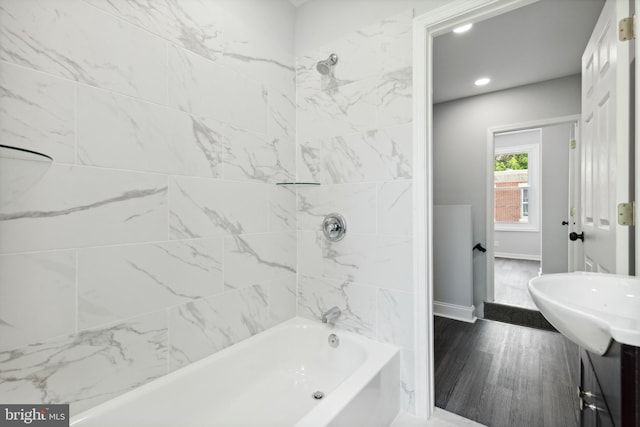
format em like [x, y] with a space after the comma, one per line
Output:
[590, 308]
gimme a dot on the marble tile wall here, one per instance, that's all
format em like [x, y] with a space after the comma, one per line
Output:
[157, 236]
[354, 131]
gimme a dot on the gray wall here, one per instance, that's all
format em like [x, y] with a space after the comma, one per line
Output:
[460, 144]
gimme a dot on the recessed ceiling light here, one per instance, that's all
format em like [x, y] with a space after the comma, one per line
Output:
[462, 28]
[483, 81]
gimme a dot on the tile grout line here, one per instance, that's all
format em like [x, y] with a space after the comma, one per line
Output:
[77, 294]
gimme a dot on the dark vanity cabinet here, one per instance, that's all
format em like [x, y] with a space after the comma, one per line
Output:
[609, 391]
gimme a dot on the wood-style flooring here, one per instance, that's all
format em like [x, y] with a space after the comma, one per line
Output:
[505, 375]
[511, 278]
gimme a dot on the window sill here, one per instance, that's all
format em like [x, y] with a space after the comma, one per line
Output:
[528, 228]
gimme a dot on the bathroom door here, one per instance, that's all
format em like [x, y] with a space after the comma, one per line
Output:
[605, 144]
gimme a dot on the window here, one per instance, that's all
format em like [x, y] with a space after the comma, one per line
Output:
[524, 203]
[516, 175]
[511, 178]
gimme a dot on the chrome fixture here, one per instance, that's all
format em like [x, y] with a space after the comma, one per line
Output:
[334, 341]
[317, 395]
[331, 315]
[325, 66]
[334, 227]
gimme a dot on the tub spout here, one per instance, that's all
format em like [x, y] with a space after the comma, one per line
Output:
[331, 315]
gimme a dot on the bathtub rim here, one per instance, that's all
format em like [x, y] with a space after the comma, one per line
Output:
[377, 355]
[323, 414]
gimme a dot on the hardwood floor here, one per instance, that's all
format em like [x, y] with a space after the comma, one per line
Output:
[511, 277]
[505, 375]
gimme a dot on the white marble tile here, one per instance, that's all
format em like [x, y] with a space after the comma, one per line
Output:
[195, 25]
[395, 102]
[378, 48]
[307, 76]
[282, 116]
[357, 303]
[355, 202]
[396, 41]
[384, 261]
[195, 145]
[201, 207]
[395, 317]
[203, 327]
[310, 244]
[376, 155]
[37, 297]
[257, 56]
[88, 368]
[337, 110]
[74, 40]
[119, 282]
[208, 89]
[395, 212]
[282, 300]
[80, 206]
[358, 54]
[259, 258]
[122, 132]
[37, 112]
[407, 380]
[282, 208]
[309, 161]
[250, 156]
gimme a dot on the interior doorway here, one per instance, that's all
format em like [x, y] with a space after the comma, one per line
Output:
[426, 28]
[530, 174]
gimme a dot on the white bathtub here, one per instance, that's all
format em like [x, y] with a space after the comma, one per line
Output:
[268, 380]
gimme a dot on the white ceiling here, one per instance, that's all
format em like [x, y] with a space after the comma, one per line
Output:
[297, 3]
[538, 42]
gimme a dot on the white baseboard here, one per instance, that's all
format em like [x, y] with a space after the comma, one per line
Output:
[517, 256]
[456, 312]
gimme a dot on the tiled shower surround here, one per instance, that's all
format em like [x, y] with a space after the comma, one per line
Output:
[158, 235]
[354, 137]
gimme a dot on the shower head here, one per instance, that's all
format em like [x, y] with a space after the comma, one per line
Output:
[325, 66]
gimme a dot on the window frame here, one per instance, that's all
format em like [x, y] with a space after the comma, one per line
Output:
[523, 202]
[533, 186]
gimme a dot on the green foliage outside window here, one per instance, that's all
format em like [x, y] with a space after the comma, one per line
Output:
[517, 161]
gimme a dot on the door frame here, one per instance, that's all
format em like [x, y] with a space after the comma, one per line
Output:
[490, 228]
[425, 28]
[636, 141]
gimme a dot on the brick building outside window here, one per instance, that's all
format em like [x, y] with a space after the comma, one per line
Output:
[511, 196]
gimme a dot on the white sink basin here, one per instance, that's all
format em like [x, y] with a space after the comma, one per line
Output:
[590, 308]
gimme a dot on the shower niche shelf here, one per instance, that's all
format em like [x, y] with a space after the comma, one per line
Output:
[10, 152]
[298, 183]
[20, 170]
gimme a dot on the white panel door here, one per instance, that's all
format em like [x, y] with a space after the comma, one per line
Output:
[605, 143]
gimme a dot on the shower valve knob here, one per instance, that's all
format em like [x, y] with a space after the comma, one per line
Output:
[334, 227]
